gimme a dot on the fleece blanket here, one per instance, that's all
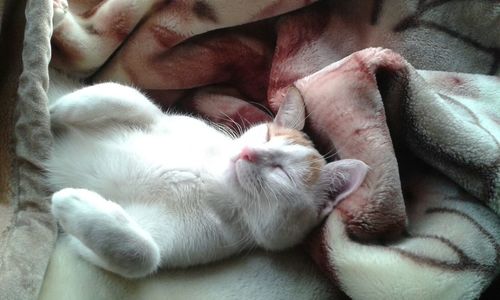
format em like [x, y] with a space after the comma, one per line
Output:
[409, 87]
[27, 230]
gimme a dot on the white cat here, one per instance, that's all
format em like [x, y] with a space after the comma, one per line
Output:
[138, 189]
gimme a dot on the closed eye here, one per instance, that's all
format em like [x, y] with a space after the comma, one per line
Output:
[279, 168]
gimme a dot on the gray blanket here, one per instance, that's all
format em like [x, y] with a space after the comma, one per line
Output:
[28, 239]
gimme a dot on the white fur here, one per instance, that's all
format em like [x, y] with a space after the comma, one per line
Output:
[138, 189]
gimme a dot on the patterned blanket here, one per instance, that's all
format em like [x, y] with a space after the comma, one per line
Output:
[409, 87]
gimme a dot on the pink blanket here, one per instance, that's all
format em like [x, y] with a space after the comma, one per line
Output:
[423, 112]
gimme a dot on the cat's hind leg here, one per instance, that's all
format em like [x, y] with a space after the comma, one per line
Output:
[102, 105]
[105, 234]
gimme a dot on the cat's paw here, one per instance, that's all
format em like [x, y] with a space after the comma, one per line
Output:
[60, 10]
[104, 233]
[76, 209]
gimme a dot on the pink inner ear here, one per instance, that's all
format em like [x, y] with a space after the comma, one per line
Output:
[292, 111]
[346, 177]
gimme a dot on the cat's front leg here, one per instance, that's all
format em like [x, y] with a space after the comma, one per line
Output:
[102, 105]
[105, 234]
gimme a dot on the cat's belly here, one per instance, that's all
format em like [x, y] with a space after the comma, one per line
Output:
[136, 167]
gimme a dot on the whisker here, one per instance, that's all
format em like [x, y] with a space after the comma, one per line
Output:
[245, 121]
[239, 129]
[307, 116]
[263, 107]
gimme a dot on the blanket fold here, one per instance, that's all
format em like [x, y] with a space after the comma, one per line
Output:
[357, 90]
[28, 241]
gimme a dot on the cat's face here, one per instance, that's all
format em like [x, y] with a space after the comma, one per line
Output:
[274, 160]
[277, 173]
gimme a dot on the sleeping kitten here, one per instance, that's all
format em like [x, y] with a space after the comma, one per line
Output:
[138, 189]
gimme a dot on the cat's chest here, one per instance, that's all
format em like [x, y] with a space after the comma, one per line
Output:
[188, 139]
[176, 151]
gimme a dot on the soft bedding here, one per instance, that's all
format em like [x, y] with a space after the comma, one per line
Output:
[409, 87]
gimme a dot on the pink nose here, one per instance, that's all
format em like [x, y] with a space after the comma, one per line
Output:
[248, 155]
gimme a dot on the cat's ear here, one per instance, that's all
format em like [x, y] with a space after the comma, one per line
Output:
[344, 177]
[292, 112]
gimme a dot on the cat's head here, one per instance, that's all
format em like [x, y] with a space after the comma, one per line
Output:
[286, 183]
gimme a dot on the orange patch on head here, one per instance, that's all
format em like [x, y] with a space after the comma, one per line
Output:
[295, 136]
[315, 162]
